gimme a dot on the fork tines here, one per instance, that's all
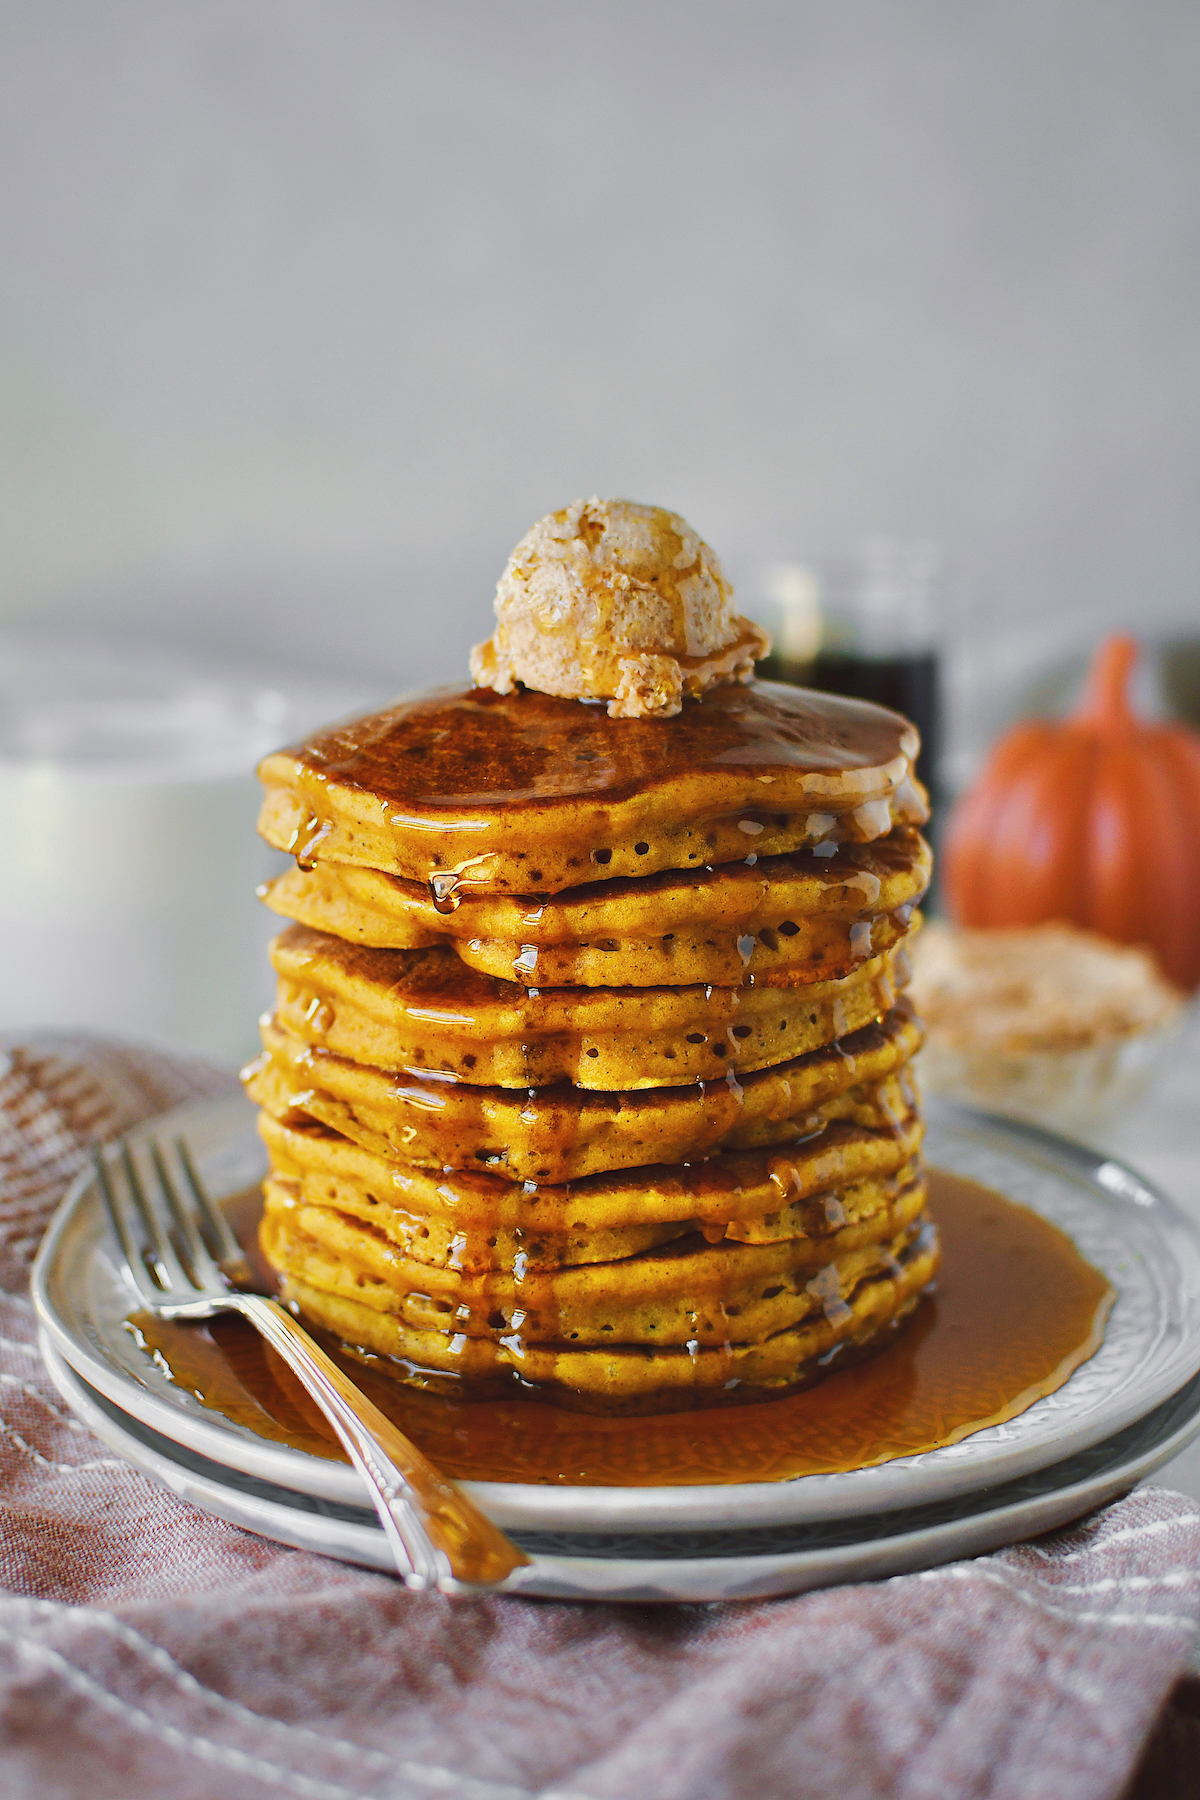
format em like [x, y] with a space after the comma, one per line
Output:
[173, 1247]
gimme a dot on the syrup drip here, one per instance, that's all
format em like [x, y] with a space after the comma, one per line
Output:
[835, 1212]
[444, 892]
[860, 938]
[307, 839]
[319, 1014]
[826, 1288]
[1015, 1312]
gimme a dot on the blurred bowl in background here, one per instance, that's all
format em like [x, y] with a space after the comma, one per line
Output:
[1071, 1091]
[1046, 1023]
[127, 808]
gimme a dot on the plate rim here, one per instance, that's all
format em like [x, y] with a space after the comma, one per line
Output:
[517, 1505]
[982, 1529]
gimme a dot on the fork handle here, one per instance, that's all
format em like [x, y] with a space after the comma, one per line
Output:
[439, 1538]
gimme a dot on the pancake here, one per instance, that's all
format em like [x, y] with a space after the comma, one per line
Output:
[424, 1010]
[527, 793]
[746, 1195]
[810, 916]
[621, 1378]
[440, 1240]
[688, 1291]
[561, 1133]
[463, 1222]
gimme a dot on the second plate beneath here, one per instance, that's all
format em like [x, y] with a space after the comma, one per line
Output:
[735, 1563]
[1147, 1250]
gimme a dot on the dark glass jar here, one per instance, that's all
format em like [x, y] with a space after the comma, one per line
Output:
[865, 623]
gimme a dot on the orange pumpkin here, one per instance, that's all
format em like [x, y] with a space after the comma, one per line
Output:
[1094, 819]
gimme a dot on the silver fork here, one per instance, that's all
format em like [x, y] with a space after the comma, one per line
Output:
[184, 1262]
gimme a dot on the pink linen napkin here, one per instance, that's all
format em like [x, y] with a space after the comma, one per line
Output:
[147, 1649]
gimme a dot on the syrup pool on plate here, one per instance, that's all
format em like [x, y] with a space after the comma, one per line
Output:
[1015, 1311]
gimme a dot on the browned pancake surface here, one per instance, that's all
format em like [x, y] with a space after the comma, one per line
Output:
[525, 792]
[626, 1377]
[748, 1196]
[791, 919]
[426, 1010]
[561, 1133]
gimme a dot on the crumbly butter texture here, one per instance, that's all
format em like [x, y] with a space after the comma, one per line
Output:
[612, 600]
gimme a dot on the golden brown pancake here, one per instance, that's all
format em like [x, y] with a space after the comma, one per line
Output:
[617, 1378]
[461, 1221]
[687, 1291]
[424, 1010]
[440, 1239]
[807, 917]
[745, 1195]
[525, 793]
[561, 1133]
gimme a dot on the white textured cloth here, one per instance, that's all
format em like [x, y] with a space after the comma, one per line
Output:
[146, 1649]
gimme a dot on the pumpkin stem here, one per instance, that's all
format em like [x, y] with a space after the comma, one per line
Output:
[1105, 697]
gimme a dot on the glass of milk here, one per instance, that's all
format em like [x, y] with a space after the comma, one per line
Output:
[130, 858]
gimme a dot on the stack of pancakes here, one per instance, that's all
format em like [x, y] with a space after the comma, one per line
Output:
[588, 1071]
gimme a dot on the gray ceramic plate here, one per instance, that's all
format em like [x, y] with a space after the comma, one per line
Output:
[1147, 1249]
[729, 1563]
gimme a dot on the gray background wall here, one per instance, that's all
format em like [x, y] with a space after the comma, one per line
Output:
[308, 309]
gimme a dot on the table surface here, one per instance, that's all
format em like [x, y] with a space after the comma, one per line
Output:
[1160, 1137]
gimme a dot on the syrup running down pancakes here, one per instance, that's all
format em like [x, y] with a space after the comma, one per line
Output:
[776, 918]
[588, 1071]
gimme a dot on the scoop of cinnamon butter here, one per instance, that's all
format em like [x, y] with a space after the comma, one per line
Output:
[612, 600]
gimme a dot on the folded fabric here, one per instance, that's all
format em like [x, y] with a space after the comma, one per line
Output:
[146, 1648]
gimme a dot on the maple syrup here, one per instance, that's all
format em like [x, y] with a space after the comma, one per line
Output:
[1016, 1310]
[449, 748]
[907, 682]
